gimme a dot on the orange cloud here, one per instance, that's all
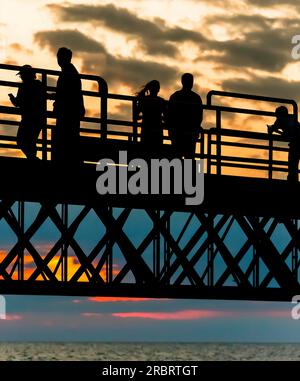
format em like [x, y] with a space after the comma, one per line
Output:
[176, 315]
[203, 314]
[105, 299]
[14, 317]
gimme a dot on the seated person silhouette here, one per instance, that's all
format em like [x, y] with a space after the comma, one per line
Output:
[151, 109]
[31, 101]
[185, 115]
[287, 125]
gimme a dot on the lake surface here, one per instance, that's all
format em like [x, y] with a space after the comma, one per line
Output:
[148, 351]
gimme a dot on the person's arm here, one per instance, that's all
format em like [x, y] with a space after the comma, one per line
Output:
[82, 107]
[138, 110]
[276, 127]
[43, 96]
[171, 110]
[15, 100]
[57, 95]
[12, 99]
[200, 112]
[164, 111]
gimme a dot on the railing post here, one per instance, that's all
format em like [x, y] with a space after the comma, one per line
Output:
[218, 142]
[202, 144]
[134, 121]
[208, 152]
[103, 92]
[270, 171]
[44, 128]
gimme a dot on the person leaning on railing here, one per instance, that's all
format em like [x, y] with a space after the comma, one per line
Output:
[288, 127]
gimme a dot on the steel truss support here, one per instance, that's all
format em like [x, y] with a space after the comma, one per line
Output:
[182, 255]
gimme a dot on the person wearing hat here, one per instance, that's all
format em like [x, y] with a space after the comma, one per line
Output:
[30, 100]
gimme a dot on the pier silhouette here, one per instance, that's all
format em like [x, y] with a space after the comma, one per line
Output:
[242, 242]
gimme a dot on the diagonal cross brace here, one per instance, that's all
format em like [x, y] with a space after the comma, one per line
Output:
[62, 240]
[269, 254]
[230, 261]
[191, 272]
[138, 266]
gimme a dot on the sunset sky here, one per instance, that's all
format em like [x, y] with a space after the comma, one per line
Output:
[237, 45]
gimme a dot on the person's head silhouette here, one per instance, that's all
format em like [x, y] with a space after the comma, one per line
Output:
[26, 73]
[64, 57]
[151, 88]
[281, 111]
[187, 81]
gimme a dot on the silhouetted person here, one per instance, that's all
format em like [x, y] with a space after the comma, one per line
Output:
[151, 109]
[287, 125]
[184, 118]
[68, 109]
[31, 101]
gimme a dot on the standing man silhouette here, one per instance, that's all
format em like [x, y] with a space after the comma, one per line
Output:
[69, 109]
[184, 118]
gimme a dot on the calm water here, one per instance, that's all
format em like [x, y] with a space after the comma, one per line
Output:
[148, 351]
